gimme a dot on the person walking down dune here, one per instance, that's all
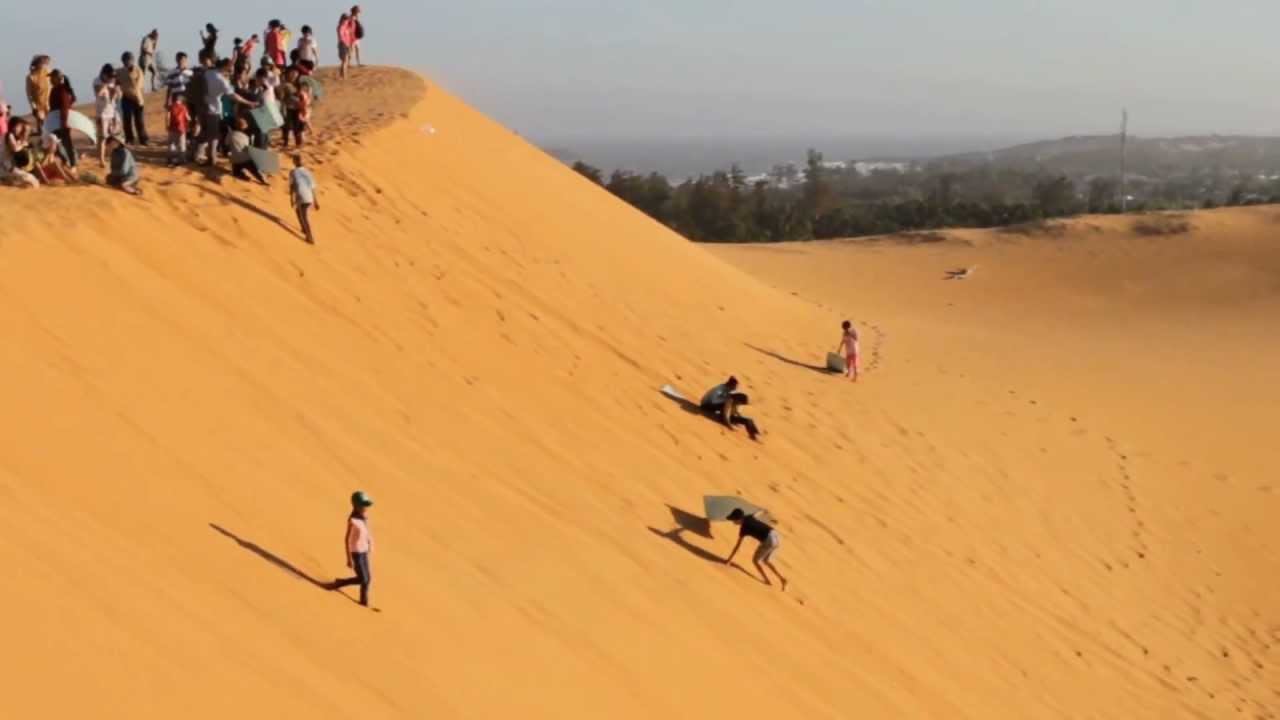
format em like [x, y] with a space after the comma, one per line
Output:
[722, 402]
[751, 526]
[850, 348]
[303, 196]
[359, 545]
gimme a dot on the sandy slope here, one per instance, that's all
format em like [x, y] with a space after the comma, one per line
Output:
[191, 392]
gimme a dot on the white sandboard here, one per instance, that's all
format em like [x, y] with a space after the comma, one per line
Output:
[674, 394]
[266, 161]
[718, 507]
[75, 121]
[835, 363]
[267, 116]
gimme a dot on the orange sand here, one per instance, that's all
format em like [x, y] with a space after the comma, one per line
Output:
[1051, 496]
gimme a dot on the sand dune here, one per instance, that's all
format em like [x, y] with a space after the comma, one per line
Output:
[1051, 497]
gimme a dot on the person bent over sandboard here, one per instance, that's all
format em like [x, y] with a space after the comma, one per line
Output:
[750, 525]
[722, 402]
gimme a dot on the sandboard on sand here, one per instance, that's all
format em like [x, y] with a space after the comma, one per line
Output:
[75, 121]
[835, 363]
[718, 507]
[674, 394]
[266, 161]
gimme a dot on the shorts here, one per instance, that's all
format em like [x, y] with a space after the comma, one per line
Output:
[210, 127]
[343, 51]
[765, 552]
[853, 361]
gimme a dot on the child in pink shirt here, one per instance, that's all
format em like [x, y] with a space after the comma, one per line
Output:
[359, 544]
[851, 349]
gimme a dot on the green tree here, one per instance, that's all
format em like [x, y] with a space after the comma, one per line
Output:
[591, 173]
[1055, 196]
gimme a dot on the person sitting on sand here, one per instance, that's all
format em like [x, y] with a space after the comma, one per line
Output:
[17, 159]
[359, 545]
[124, 168]
[242, 162]
[722, 402]
[850, 348]
[752, 526]
[303, 196]
[50, 161]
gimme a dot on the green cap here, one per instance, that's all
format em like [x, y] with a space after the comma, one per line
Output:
[361, 499]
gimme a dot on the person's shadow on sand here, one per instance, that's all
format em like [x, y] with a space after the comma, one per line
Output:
[789, 361]
[688, 522]
[276, 560]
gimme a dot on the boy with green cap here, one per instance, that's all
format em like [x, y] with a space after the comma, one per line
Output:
[358, 543]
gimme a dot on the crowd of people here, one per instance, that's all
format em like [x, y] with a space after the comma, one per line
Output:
[225, 105]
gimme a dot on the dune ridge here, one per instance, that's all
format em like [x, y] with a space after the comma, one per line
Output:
[478, 339]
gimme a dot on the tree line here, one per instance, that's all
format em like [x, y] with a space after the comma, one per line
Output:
[821, 201]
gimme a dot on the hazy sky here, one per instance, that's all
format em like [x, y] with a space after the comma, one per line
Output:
[555, 68]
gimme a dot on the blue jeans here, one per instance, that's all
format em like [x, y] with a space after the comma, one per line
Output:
[359, 561]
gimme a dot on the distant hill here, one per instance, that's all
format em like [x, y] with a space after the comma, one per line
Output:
[1153, 157]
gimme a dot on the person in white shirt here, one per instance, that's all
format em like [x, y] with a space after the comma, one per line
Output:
[308, 48]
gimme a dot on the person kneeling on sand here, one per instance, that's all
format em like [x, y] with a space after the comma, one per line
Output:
[124, 168]
[242, 162]
[750, 525]
[722, 402]
[359, 544]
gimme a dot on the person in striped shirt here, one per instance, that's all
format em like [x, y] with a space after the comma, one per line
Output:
[176, 82]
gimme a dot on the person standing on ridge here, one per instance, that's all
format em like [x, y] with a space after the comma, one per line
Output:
[106, 94]
[133, 87]
[302, 196]
[39, 90]
[850, 348]
[147, 57]
[357, 33]
[346, 39]
[216, 87]
[63, 99]
[308, 49]
[722, 402]
[750, 525]
[209, 40]
[358, 545]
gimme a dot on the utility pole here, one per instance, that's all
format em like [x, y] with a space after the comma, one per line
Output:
[1124, 147]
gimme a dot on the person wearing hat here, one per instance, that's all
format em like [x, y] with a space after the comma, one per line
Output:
[359, 544]
[750, 525]
[722, 402]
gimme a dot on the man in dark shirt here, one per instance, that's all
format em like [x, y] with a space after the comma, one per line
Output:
[722, 402]
[752, 526]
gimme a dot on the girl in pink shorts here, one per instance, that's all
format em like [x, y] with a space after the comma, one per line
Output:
[851, 349]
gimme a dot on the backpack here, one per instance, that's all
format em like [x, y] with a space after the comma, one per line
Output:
[359, 30]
